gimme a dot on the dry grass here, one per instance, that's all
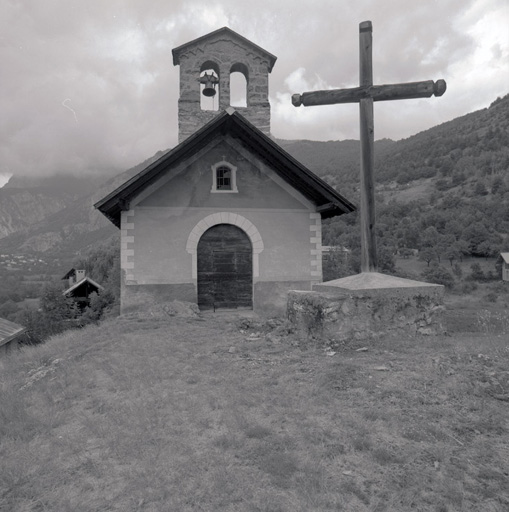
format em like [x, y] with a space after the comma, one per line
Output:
[212, 415]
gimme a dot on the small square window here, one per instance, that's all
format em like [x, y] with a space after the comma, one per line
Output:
[224, 178]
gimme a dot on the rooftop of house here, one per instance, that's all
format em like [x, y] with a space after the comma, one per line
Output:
[9, 330]
[82, 282]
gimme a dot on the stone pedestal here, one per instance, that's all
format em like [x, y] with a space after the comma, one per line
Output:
[367, 306]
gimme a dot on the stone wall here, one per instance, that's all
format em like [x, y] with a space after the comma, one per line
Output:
[345, 316]
[224, 55]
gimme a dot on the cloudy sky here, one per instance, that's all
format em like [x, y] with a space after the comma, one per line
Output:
[89, 86]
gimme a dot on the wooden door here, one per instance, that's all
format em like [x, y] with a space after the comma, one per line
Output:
[225, 268]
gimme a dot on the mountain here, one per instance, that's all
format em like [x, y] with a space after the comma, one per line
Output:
[460, 163]
[25, 201]
[68, 222]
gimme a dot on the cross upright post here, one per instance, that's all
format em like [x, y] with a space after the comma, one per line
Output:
[369, 259]
[365, 95]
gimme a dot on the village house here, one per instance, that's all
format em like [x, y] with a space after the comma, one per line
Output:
[80, 287]
[226, 219]
[11, 335]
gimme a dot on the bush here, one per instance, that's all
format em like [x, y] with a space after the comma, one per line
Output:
[438, 275]
[491, 297]
[476, 272]
[468, 287]
[99, 306]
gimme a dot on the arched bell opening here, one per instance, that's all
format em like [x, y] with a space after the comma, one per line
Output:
[209, 86]
[239, 80]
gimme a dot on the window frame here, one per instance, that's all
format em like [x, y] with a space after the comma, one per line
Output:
[233, 178]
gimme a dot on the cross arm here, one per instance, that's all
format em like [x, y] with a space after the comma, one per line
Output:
[376, 92]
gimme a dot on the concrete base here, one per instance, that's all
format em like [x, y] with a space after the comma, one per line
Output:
[367, 306]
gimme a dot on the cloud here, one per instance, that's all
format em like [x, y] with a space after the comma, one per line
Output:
[90, 87]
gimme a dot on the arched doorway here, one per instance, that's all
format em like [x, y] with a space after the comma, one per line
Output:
[225, 268]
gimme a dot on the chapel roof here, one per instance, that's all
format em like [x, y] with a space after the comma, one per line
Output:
[328, 201]
[505, 256]
[230, 34]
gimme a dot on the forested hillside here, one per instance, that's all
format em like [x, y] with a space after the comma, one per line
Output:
[444, 191]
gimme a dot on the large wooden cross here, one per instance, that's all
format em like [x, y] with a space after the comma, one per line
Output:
[365, 95]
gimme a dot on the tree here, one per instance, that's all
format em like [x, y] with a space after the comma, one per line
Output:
[487, 249]
[462, 248]
[99, 305]
[8, 310]
[452, 253]
[55, 305]
[454, 228]
[475, 234]
[386, 259]
[427, 254]
[476, 272]
[430, 237]
[55, 315]
[102, 264]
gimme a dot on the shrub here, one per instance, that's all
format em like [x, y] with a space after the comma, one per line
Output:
[438, 275]
[491, 297]
[468, 287]
[100, 304]
[476, 272]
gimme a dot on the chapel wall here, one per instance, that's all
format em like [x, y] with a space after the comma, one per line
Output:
[156, 258]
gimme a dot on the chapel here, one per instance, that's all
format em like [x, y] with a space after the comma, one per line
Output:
[227, 218]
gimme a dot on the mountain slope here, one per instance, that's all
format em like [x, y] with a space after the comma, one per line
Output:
[463, 163]
[25, 201]
[72, 226]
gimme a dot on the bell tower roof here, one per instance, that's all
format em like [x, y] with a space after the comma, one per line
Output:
[230, 35]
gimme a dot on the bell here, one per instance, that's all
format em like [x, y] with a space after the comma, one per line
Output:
[210, 82]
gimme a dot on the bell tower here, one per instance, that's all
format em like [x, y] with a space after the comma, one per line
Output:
[208, 67]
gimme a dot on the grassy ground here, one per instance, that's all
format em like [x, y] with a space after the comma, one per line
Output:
[223, 414]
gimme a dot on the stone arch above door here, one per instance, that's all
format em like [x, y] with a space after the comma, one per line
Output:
[225, 218]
